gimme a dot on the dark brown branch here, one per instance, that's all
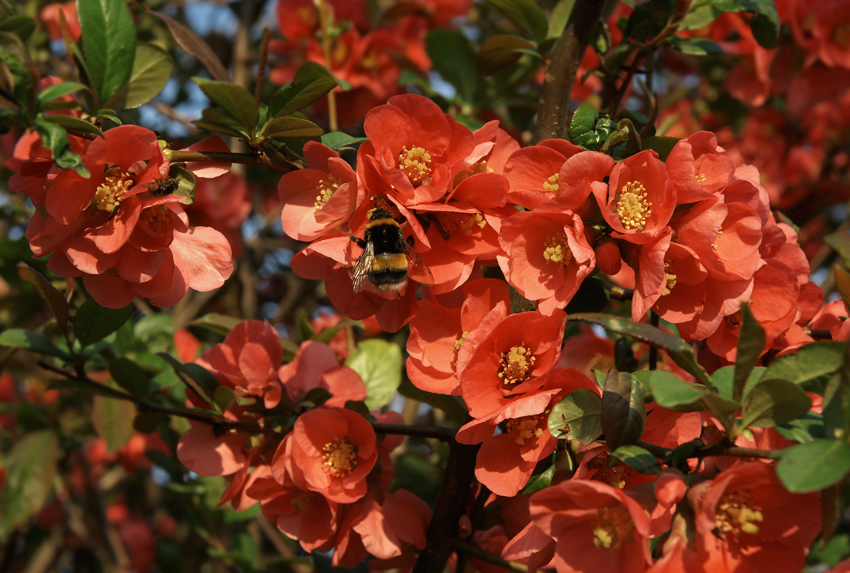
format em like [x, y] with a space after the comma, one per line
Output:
[719, 449]
[451, 504]
[442, 434]
[562, 68]
[653, 350]
[478, 553]
[224, 157]
[148, 406]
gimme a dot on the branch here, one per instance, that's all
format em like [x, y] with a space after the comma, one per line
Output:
[261, 160]
[148, 406]
[562, 68]
[478, 553]
[442, 434]
[718, 449]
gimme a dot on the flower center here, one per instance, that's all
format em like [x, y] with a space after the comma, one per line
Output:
[474, 169]
[303, 500]
[734, 513]
[466, 224]
[516, 365]
[551, 184]
[326, 188]
[556, 250]
[670, 277]
[459, 343]
[340, 457]
[156, 219]
[109, 193]
[613, 527]
[841, 34]
[700, 178]
[615, 476]
[633, 208]
[416, 164]
[525, 428]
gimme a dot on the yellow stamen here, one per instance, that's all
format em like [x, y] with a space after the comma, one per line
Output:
[633, 208]
[551, 184]
[516, 365]
[735, 514]
[326, 188]
[700, 178]
[714, 244]
[670, 277]
[340, 457]
[613, 527]
[459, 343]
[156, 218]
[109, 193]
[522, 429]
[556, 250]
[416, 164]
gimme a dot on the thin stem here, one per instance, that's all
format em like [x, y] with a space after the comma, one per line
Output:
[478, 553]
[261, 160]
[563, 65]
[653, 350]
[148, 406]
[719, 449]
[442, 434]
[326, 51]
[261, 69]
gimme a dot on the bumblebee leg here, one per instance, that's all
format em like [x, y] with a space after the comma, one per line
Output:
[360, 242]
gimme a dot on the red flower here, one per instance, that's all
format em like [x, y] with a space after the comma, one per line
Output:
[596, 527]
[747, 522]
[56, 16]
[316, 366]
[330, 451]
[222, 203]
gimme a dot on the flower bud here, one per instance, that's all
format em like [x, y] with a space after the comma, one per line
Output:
[608, 259]
[670, 487]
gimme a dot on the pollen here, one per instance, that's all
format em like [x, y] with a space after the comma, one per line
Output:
[633, 207]
[459, 343]
[156, 219]
[109, 194]
[474, 169]
[416, 164]
[700, 178]
[466, 224]
[516, 365]
[714, 244]
[670, 278]
[340, 457]
[734, 513]
[525, 428]
[326, 188]
[613, 527]
[551, 184]
[556, 250]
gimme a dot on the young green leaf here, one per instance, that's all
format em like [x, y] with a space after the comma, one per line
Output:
[637, 458]
[151, 70]
[670, 392]
[577, 417]
[109, 38]
[378, 363]
[113, 421]
[312, 81]
[750, 347]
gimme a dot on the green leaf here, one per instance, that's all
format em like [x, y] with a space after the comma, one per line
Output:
[57, 91]
[55, 300]
[773, 402]
[721, 407]
[30, 470]
[378, 363]
[750, 347]
[218, 323]
[636, 458]
[109, 38]
[500, 52]
[623, 409]
[32, 341]
[21, 72]
[190, 43]
[670, 392]
[538, 482]
[55, 138]
[558, 20]
[577, 417]
[93, 322]
[809, 363]
[224, 398]
[453, 57]
[680, 455]
[113, 420]
[20, 25]
[338, 140]
[804, 429]
[813, 466]
[235, 100]
[700, 17]
[662, 145]
[582, 122]
[841, 243]
[696, 46]
[151, 70]
[764, 23]
[679, 350]
[129, 376]
[290, 127]
[525, 14]
[312, 81]
[71, 122]
[186, 183]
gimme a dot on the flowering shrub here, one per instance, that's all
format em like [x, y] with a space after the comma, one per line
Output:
[463, 286]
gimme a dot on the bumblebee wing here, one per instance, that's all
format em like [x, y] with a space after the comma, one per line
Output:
[416, 267]
[362, 267]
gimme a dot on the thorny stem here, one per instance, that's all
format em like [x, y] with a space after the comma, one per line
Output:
[562, 68]
[148, 406]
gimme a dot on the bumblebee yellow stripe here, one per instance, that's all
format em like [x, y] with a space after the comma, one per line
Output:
[392, 262]
[378, 222]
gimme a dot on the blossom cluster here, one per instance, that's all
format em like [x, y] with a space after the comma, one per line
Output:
[326, 482]
[114, 226]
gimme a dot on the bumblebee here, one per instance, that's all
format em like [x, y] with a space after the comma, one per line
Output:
[160, 188]
[387, 258]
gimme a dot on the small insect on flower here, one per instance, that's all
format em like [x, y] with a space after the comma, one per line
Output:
[162, 187]
[387, 258]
